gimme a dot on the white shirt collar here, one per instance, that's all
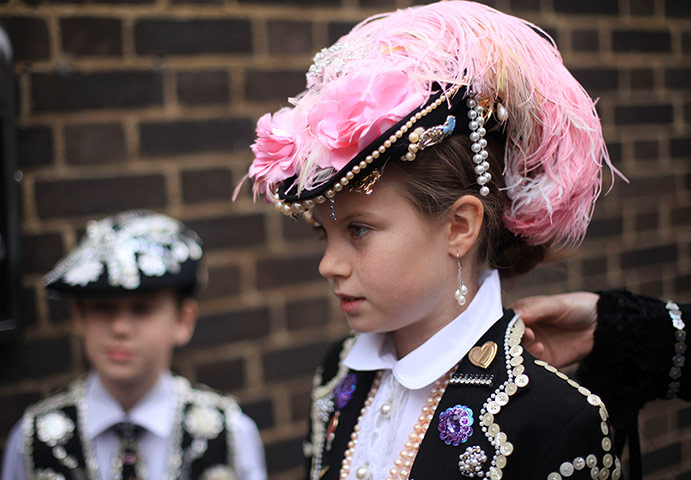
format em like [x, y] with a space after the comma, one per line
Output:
[154, 411]
[428, 362]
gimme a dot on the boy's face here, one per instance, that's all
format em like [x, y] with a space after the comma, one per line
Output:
[129, 339]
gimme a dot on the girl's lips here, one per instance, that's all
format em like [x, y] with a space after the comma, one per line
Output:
[350, 304]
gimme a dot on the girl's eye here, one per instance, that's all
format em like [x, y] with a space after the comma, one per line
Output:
[359, 231]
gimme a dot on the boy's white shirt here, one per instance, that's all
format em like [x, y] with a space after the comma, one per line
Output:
[155, 412]
[405, 383]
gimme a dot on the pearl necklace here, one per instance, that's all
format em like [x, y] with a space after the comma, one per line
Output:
[404, 462]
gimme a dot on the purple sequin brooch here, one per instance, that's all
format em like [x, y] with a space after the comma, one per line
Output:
[344, 391]
[455, 425]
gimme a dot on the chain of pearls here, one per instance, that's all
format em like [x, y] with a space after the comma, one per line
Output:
[296, 208]
[404, 462]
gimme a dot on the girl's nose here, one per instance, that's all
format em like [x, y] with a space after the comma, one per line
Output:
[333, 264]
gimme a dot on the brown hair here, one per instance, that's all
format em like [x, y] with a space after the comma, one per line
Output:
[442, 174]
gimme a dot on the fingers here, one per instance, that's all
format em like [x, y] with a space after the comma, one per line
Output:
[530, 309]
[536, 349]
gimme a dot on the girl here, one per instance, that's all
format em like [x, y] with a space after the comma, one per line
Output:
[437, 149]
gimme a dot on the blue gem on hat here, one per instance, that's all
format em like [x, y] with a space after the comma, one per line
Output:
[345, 390]
[455, 425]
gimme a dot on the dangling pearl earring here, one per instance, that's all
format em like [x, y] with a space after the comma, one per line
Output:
[461, 289]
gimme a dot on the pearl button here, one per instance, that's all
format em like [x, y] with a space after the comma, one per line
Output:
[362, 473]
[385, 409]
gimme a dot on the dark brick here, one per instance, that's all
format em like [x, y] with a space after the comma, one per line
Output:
[223, 281]
[203, 87]
[686, 42]
[525, 5]
[84, 36]
[12, 407]
[55, 198]
[337, 29]
[649, 256]
[646, 150]
[34, 147]
[309, 313]
[283, 454]
[206, 185]
[639, 187]
[614, 149]
[680, 147]
[84, 91]
[293, 362]
[284, 270]
[300, 404]
[641, 40]
[95, 143]
[41, 252]
[594, 266]
[27, 359]
[59, 311]
[587, 7]
[116, 2]
[197, 2]
[29, 37]
[605, 227]
[230, 232]
[231, 327]
[681, 216]
[641, 7]
[682, 284]
[290, 37]
[28, 313]
[226, 375]
[646, 221]
[585, 40]
[297, 229]
[677, 8]
[377, 3]
[642, 114]
[678, 77]
[641, 78]
[262, 412]
[273, 85]
[597, 78]
[296, 3]
[185, 37]
[661, 457]
[194, 136]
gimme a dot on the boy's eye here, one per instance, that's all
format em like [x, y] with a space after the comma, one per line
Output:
[358, 231]
[142, 308]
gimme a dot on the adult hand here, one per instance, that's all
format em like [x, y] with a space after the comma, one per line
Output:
[559, 328]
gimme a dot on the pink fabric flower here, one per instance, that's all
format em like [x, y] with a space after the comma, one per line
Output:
[276, 149]
[355, 111]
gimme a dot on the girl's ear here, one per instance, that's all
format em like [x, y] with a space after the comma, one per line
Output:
[464, 224]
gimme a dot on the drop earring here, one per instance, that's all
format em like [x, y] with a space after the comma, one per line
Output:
[461, 289]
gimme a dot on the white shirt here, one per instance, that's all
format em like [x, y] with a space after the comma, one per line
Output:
[405, 383]
[155, 412]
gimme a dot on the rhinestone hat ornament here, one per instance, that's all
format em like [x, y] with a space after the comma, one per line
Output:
[455, 425]
[394, 73]
[128, 251]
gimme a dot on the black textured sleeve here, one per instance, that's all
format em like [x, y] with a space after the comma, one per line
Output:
[631, 360]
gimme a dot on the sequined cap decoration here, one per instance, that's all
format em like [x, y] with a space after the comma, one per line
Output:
[137, 250]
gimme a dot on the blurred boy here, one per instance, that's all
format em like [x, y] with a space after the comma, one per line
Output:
[131, 281]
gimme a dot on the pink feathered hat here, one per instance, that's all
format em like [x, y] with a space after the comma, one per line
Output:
[403, 81]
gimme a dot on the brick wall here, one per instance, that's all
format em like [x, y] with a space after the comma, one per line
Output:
[151, 103]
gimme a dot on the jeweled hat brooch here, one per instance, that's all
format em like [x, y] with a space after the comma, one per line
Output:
[405, 81]
[133, 251]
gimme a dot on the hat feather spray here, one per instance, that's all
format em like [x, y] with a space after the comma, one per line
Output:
[391, 64]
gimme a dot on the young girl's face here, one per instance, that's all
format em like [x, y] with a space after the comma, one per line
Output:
[390, 267]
